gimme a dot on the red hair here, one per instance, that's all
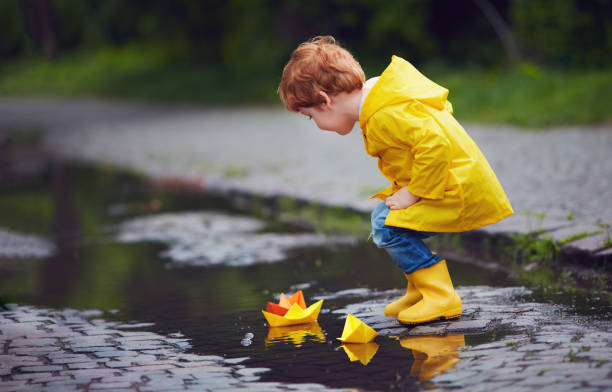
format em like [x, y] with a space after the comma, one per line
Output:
[319, 64]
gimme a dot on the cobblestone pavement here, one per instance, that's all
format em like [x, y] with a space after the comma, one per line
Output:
[538, 346]
[51, 350]
[550, 177]
[558, 180]
[528, 347]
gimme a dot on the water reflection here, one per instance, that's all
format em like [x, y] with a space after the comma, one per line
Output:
[433, 354]
[295, 334]
[362, 352]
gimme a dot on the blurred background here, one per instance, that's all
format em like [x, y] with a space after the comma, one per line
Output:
[533, 63]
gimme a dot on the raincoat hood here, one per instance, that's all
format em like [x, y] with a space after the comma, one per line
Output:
[402, 82]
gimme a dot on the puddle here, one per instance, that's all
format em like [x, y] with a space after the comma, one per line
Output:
[102, 239]
[210, 238]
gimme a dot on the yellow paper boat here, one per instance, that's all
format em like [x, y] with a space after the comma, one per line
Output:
[295, 315]
[297, 334]
[360, 352]
[356, 331]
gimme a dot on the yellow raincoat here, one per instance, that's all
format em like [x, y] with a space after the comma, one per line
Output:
[407, 124]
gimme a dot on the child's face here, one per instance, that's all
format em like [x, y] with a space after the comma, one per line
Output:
[330, 118]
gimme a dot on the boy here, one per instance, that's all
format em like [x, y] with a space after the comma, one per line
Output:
[440, 181]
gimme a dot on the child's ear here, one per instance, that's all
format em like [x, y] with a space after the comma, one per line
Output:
[327, 98]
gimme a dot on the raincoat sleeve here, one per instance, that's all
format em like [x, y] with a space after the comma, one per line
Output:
[420, 136]
[431, 153]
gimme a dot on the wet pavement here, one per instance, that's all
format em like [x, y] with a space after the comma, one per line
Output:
[559, 181]
[63, 350]
[500, 342]
[536, 346]
[110, 281]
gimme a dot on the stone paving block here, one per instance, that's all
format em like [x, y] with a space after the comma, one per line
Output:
[455, 378]
[191, 357]
[196, 364]
[69, 358]
[138, 335]
[33, 351]
[214, 382]
[30, 376]
[578, 228]
[109, 385]
[551, 339]
[249, 372]
[92, 349]
[428, 330]
[6, 386]
[51, 378]
[114, 353]
[165, 380]
[28, 342]
[234, 361]
[142, 346]
[399, 331]
[43, 368]
[488, 346]
[127, 377]
[146, 359]
[89, 373]
[198, 372]
[467, 326]
[533, 347]
[120, 364]
[83, 365]
[97, 331]
[589, 244]
[147, 368]
[89, 341]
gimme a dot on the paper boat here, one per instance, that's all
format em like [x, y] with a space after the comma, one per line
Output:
[360, 352]
[285, 303]
[355, 331]
[296, 334]
[295, 315]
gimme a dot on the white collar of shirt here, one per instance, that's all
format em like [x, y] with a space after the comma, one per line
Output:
[368, 87]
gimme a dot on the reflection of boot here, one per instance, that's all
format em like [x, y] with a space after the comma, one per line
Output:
[439, 297]
[433, 354]
[411, 297]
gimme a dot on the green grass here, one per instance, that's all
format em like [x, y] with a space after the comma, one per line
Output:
[138, 72]
[530, 97]
[527, 96]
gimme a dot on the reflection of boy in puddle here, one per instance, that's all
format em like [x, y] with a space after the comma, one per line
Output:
[433, 354]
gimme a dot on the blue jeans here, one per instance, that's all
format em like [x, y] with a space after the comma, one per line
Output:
[405, 246]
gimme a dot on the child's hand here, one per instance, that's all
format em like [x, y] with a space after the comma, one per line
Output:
[401, 199]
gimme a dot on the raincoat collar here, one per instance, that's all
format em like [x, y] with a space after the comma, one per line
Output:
[401, 82]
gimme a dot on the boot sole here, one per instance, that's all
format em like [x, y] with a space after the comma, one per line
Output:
[446, 315]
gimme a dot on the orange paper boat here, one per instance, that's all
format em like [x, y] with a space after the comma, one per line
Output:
[356, 331]
[296, 313]
[285, 303]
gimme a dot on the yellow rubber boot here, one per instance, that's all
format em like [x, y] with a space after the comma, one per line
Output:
[439, 296]
[411, 297]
